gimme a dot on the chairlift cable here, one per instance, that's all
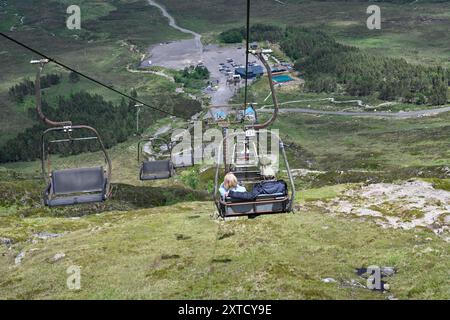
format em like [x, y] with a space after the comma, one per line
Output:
[247, 52]
[86, 76]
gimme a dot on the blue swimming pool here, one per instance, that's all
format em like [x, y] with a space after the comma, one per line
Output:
[282, 78]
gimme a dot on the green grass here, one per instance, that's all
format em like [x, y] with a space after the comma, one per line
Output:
[417, 32]
[346, 143]
[323, 193]
[91, 10]
[157, 240]
[442, 184]
[154, 241]
[179, 252]
[102, 50]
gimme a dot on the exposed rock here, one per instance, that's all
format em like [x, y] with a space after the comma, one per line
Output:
[19, 258]
[428, 250]
[407, 205]
[329, 280]
[447, 219]
[47, 235]
[58, 257]
[96, 229]
[5, 241]
[304, 172]
[352, 283]
[388, 271]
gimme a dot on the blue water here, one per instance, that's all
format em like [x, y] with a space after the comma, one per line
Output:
[282, 78]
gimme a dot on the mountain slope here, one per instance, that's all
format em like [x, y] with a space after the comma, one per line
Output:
[180, 252]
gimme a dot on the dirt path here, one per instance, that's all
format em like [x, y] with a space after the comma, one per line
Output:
[158, 73]
[174, 24]
[180, 54]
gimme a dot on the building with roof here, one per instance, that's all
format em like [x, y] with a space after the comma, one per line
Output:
[253, 71]
[250, 114]
[220, 115]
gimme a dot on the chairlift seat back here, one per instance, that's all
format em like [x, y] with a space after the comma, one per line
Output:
[182, 160]
[154, 170]
[76, 186]
[247, 176]
[80, 180]
[263, 204]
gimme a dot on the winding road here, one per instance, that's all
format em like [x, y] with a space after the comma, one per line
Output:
[264, 109]
[397, 115]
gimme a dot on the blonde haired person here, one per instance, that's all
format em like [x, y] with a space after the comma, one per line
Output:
[230, 183]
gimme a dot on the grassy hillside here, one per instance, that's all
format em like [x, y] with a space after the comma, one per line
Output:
[412, 29]
[161, 240]
[180, 252]
[345, 143]
[113, 35]
[158, 240]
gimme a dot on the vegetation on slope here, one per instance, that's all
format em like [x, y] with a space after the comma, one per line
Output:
[113, 35]
[19, 91]
[193, 77]
[115, 122]
[178, 252]
[416, 31]
[151, 241]
[327, 65]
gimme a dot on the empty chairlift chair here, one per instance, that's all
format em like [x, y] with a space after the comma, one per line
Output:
[75, 185]
[156, 169]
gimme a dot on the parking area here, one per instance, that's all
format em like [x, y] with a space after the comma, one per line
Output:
[221, 61]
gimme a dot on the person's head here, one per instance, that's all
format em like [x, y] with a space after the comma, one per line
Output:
[268, 166]
[230, 181]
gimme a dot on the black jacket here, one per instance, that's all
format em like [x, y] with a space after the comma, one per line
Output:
[268, 187]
